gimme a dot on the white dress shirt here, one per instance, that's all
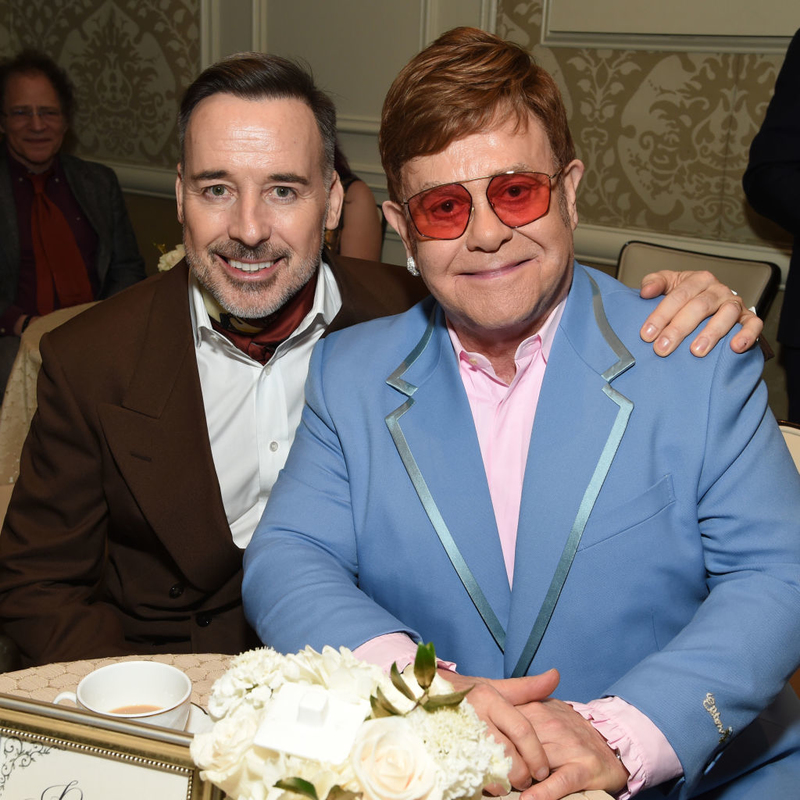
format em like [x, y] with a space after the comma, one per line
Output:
[247, 403]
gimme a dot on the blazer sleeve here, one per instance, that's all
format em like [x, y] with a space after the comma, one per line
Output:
[737, 652]
[126, 266]
[53, 541]
[772, 179]
[309, 521]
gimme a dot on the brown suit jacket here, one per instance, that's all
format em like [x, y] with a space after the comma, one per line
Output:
[116, 539]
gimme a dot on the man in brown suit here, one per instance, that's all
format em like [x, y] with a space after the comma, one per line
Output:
[158, 433]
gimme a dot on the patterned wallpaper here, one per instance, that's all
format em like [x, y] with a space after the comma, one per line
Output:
[130, 61]
[665, 136]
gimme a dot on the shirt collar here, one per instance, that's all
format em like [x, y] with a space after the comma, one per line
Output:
[327, 302]
[18, 170]
[542, 338]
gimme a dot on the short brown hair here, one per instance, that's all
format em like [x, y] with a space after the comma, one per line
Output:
[262, 76]
[456, 87]
[33, 62]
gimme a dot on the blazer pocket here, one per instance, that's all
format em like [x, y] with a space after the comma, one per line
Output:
[604, 524]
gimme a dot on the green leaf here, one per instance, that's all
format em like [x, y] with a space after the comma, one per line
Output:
[298, 785]
[400, 684]
[337, 793]
[437, 701]
[425, 664]
[377, 710]
[381, 707]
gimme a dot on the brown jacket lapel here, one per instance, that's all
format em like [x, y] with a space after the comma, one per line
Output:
[370, 289]
[159, 440]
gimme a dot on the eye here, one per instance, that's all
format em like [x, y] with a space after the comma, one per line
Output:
[445, 203]
[218, 190]
[284, 193]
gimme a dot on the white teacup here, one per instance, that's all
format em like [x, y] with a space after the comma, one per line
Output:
[142, 691]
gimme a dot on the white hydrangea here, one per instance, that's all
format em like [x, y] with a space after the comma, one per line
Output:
[458, 741]
[251, 678]
[168, 260]
[466, 759]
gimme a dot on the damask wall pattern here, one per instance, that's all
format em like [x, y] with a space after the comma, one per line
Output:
[130, 61]
[665, 136]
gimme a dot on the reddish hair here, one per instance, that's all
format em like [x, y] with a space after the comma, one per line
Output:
[466, 81]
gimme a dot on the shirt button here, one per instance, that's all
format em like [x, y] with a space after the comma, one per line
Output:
[268, 370]
[203, 620]
[273, 446]
[176, 591]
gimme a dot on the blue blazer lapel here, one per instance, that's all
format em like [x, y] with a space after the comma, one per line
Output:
[580, 421]
[436, 440]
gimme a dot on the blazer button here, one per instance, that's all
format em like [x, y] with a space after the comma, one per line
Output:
[203, 620]
[176, 591]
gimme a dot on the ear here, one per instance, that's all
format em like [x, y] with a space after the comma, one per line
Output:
[573, 173]
[396, 217]
[179, 194]
[335, 202]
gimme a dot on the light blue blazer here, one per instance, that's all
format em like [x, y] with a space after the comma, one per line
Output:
[658, 551]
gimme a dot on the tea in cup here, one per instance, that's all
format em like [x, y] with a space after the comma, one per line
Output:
[143, 691]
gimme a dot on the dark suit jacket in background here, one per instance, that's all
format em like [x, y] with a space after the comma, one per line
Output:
[97, 191]
[772, 179]
[116, 539]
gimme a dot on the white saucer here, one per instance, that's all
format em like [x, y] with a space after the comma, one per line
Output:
[199, 721]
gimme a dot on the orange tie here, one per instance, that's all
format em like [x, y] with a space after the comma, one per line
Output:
[59, 263]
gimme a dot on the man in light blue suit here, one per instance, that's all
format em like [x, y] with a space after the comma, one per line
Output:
[508, 471]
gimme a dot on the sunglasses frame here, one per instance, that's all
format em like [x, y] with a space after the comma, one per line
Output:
[491, 205]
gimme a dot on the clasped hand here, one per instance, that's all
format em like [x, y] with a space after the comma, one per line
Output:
[554, 750]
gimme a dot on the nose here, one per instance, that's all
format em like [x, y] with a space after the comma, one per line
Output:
[250, 220]
[37, 121]
[485, 230]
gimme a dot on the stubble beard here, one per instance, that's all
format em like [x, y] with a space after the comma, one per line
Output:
[249, 299]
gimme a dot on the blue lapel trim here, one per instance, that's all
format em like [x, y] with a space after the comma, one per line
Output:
[465, 574]
[624, 361]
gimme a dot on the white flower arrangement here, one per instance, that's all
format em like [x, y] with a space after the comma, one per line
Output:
[169, 258]
[419, 741]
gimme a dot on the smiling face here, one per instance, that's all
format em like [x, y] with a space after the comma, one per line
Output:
[496, 284]
[35, 140]
[253, 200]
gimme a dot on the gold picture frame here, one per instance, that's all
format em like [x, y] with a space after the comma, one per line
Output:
[54, 752]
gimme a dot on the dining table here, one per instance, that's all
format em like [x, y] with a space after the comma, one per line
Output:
[45, 682]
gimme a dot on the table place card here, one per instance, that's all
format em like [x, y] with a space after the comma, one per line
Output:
[311, 722]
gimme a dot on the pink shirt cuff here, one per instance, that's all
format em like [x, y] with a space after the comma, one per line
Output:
[643, 749]
[393, 648]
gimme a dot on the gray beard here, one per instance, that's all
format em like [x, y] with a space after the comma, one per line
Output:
[219, 286]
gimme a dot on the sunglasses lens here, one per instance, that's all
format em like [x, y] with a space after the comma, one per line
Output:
[519, 198]
[442, 212]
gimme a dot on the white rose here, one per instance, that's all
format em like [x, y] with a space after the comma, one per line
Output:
[391, 763]
[223, 746]
[170, 259]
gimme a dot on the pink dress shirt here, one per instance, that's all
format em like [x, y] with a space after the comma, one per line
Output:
[504, 415]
